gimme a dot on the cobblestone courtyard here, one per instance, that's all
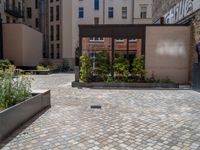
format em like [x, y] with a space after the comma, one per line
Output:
[128, 120]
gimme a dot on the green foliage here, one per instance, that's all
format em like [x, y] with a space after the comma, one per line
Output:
[121, 68]
[85, 71]
[4, 63]
[42, 68]
[138, 70]
[102, 66]
[166, 80]
[13, 88]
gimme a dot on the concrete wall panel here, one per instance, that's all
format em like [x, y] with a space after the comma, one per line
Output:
[167, 53]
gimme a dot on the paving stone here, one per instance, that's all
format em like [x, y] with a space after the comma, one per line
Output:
[129, 119]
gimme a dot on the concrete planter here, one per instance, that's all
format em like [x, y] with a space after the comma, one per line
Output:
[124, 85]
[13, 117]
[40, 72]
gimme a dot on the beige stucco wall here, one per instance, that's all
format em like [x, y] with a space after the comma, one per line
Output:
[167, 53]
[22, 44]
[32, 46]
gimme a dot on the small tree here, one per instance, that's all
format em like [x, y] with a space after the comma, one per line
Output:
[85, 71]
[121, 68]
[138, 70]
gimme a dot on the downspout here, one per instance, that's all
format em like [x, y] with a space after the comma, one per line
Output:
[103, 11]
[1, 39]
[133, 5]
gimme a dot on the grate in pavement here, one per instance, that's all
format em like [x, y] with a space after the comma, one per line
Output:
[95, 106]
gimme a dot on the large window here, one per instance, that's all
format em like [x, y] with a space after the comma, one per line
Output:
[96, 4]
[36, 4]
[52, 33]
[52, 51]
[51, 14]
[57, 12]
[81, 12]
[57, 32]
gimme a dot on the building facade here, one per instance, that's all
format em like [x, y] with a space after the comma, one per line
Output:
[11, 11]
[78, 12]
[58, 20]
[36, 17]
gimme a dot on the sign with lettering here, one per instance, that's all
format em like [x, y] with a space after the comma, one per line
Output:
[181, 10]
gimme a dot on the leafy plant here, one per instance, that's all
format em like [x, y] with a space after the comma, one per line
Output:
[166, 80]
[42, 68]
[102, 66]
[85, 71]
[138, 70]
[4, 63]
[13, 88]
[121, 68]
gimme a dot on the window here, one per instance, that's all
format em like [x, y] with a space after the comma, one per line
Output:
[51, 13]
[143, 13]
[110, 12]
[36, 4]
[124, 12]
[58, 51]
[57, 13]
[119, 40]
[52, 33]
[52, 51]
[96, 39]
[7, 19]
[96, 4]
[96, 20]
[57, 32]
[29, 13]
[81, 12]
[36, 22]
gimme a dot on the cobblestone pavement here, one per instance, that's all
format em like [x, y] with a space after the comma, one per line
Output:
[128, 120]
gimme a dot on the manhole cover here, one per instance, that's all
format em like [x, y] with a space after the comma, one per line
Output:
[95, 107]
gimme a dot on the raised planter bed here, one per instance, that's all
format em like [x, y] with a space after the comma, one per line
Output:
[41, 72]
[13, 117]
[124, 85]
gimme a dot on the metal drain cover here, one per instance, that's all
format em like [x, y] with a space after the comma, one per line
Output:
[95, 106]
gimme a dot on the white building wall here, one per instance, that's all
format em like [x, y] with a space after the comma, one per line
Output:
[117, 6]
[137, 11]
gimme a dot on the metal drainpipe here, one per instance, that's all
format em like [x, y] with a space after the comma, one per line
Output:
[133, 5]
[103, 11]
[1, 39]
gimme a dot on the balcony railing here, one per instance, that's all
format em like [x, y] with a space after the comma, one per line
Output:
[13, 10]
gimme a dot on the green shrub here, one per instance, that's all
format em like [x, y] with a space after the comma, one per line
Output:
[13, 88]
[138, 70]
[102, 66]
[121, 68]
[42, 68]
[85, 71]
[166, 80]
[4, 63]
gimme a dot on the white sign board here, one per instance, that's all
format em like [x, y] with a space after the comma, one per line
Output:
[181, 10]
